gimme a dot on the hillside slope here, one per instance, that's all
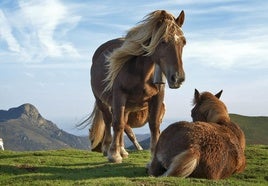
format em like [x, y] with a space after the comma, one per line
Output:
[254, 127]
[23, 128]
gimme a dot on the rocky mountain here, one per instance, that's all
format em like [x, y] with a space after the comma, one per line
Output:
[23, 128]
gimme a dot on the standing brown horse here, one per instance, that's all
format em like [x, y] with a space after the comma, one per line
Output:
[211, 147]
[122, 76]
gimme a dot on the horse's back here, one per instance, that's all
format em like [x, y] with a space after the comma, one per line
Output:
[98, 68]
[106, 48]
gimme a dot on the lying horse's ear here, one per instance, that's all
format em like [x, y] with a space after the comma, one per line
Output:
[196, 95]
[218, 95]
[180, 19]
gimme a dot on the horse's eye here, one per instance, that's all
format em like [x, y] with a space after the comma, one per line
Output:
[163, 42]
[184, 41]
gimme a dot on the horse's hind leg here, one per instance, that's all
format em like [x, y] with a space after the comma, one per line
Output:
[183, 164]
[132, 137]
[107, 117]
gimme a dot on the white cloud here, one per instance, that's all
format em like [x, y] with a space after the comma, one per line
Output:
[229, 53]
[234, 46]
[32, 30]
[6, 34]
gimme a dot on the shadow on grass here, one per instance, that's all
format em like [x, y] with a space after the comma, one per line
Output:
[79, 172]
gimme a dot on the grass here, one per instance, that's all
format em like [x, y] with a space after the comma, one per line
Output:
[80, 167]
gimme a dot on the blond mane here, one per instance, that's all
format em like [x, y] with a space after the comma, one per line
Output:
[141, 40]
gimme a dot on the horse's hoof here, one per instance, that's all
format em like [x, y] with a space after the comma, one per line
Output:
[123, 153]
[115, 159]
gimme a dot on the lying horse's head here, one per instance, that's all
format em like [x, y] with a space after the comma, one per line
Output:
[209, 108]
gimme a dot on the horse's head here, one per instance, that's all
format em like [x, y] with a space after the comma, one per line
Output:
[159, 36]
[209, 108]
[168, 52]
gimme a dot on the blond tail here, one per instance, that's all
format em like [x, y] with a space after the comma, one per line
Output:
[183, 164]
[97, 129]
[96, 132]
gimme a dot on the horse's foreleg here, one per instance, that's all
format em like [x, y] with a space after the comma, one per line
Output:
[155, 117]
[118, 128]
[132, 137]
[123, 151]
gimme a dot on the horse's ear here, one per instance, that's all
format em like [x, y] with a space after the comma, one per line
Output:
[196, 95]
[180, 18]
[218, 95]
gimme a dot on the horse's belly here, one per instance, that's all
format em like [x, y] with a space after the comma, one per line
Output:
[136, 106]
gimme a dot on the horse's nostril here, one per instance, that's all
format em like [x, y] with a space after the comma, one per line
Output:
[174, 78]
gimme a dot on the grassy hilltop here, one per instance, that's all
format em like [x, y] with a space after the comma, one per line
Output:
[254, 127]
[81, 167]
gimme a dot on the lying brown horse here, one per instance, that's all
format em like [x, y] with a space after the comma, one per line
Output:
[211, 147]
[135, 120]
[125, 76]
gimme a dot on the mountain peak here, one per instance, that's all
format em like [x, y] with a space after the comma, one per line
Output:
[23, 128]
[29, 110]
[25, 110]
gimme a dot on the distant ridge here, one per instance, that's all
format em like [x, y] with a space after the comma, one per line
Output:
[254, 127]
[23, 128]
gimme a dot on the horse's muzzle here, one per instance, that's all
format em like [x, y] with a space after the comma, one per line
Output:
[175, 81]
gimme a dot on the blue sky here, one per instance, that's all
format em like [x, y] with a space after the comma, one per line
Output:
[46, 49]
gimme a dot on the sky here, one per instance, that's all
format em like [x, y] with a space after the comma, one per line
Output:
[46, 49]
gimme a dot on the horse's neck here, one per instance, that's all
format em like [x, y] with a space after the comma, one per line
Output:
[140, 71]
[147, 69]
